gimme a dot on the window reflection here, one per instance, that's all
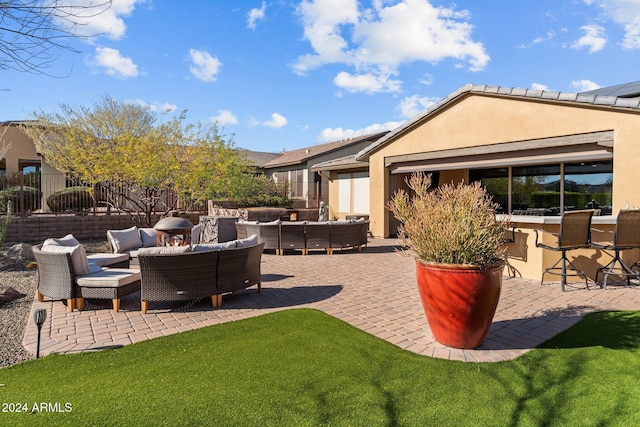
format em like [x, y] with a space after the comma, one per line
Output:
[537, 190]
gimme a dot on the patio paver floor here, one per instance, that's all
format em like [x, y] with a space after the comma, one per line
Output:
[373, 290]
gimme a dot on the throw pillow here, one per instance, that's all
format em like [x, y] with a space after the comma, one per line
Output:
[67, 240]
[195, 234]
[149, 237]
[121, 240]
[248, 242]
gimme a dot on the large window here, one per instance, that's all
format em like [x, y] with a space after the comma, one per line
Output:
[549, 189]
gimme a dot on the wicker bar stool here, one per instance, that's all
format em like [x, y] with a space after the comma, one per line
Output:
[626, 236]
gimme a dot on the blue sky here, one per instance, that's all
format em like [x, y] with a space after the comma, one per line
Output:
[279, 75]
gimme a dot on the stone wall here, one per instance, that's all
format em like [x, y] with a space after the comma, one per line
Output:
[37, 228]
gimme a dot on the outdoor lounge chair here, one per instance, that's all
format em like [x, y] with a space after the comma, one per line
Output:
[626, 236]
[575, 233]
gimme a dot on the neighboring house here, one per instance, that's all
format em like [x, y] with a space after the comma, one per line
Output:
[22, 156]
[309, 186]
[259, 159]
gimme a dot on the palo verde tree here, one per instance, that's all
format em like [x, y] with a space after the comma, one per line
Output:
[136, 163]
[32, 32]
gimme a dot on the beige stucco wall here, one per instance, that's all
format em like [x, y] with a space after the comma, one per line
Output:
[22, 147]
[477, 120]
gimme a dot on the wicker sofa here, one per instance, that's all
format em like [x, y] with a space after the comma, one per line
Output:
[305, 236]
[208, 271]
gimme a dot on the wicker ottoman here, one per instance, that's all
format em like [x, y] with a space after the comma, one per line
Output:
[111, 283]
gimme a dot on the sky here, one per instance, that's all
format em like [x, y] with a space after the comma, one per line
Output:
[278, 75]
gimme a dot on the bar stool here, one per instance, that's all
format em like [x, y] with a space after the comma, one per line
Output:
[625, 236]
[575, 233]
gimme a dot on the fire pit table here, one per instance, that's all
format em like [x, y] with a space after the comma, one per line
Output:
[173, 231]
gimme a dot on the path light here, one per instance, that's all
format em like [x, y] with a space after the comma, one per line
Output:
[39, 316]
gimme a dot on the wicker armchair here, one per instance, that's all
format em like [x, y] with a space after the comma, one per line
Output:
[347, 235]
[268, 233]
[178, 277]
[318, 236]
[238, 269]
[292, 236]
[575, 233]
[56, 278]
[626, 236]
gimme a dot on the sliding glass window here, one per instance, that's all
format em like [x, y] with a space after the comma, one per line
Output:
[548, 189]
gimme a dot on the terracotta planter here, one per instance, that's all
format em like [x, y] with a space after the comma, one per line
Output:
[459, 301]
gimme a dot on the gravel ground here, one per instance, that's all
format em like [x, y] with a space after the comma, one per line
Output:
[14, 314]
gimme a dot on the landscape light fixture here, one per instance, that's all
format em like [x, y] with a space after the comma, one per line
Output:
[39, 316]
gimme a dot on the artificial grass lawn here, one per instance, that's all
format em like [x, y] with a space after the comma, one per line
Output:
[302, 367]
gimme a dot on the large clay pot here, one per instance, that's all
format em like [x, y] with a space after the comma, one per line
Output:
[459, 301]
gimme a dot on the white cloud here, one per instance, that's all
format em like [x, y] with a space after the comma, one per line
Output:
[413, 105]
[256, 15]
[594, 38]
[224, 117]
[338, 134]
[369, 83]
[625, 13]
[113, 63]
[584, 85]
[161, 107]
[277, 121]
[539, 86]
[378, 40]
[204, 66]
[91, 18]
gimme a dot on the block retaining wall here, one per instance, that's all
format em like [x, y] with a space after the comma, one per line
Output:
[36, 228]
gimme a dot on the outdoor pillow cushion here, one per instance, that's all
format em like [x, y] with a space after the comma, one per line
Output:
[195, 234]
[248, 242]
[204, 247]
[149, 237]
[78, 256]
[67, 240]
[163, 250]
[121, 240]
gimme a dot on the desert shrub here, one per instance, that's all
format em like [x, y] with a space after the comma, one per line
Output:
[31, 198]
[71, 199]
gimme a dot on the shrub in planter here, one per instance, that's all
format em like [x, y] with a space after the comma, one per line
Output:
[456, 239]
[31, 198]
[71, 199]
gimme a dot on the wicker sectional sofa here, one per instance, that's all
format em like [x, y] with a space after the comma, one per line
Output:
[306, 236]
[207, 271]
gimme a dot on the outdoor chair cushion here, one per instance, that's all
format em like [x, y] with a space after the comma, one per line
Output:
[121, 240]
[78, 257]
[164, 250]
[195, 234]
[149, 237]
[109, 278]
[204, 247]
[105, 260]
[78, 254]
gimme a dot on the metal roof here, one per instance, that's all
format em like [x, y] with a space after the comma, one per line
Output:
[586, 98]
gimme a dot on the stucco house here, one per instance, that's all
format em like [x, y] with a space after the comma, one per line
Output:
[538, 152]
[310, 187]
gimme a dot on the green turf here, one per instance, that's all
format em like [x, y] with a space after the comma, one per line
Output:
[302, 367]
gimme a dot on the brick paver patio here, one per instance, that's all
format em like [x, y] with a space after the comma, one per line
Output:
[373, 290]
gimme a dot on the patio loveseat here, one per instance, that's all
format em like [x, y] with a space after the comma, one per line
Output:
[206, 271]
[304, 235]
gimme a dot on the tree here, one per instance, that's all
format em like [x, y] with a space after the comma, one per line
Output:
[32, 31]
[136, 163]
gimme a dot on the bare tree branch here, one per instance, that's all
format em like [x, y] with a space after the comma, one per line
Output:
[33, 32]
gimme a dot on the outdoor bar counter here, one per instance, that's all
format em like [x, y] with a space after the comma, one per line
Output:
[528, 261]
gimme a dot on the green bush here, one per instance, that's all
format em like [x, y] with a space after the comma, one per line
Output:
[31, 198]
[257, 191]
[71, 199]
